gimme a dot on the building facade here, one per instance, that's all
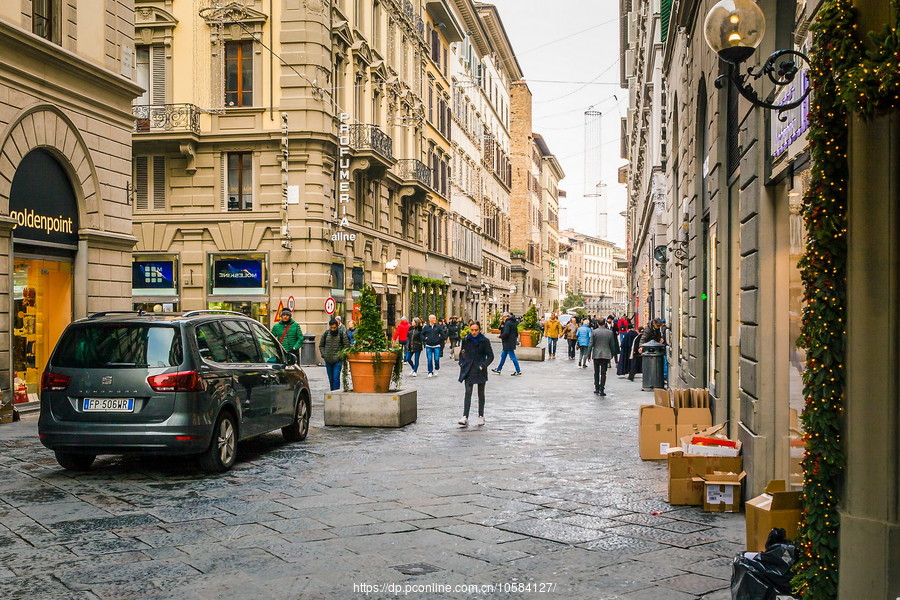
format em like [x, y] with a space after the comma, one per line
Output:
[734, 179]
[65, 147]
[644, 144]
[551, 175]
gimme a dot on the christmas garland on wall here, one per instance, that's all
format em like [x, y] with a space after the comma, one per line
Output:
[427, 296]
[845, 77]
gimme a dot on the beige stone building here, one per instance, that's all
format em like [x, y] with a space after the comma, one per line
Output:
[293, 156]
[282, 158]
[551, 174]
[534, 203]
[66, 86]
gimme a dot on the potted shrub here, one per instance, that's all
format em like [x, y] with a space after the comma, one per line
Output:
[529, 329]
[496, 321]
[373, 364]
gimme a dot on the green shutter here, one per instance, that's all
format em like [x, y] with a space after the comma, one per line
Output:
[665, 10]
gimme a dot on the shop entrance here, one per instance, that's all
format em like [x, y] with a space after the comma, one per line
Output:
[42, 297]
[43, 205]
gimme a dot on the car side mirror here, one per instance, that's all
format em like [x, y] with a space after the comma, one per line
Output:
[290, 359]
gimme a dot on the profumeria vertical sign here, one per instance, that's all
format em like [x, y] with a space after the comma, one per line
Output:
[343, 180]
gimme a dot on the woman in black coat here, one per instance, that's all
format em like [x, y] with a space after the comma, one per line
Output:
[474, 357]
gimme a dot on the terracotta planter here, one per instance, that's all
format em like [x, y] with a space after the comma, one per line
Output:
[494, 330]
[525, 339]
[367, 375]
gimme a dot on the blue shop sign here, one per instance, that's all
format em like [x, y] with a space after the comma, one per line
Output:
[151, 277]
[238, 275]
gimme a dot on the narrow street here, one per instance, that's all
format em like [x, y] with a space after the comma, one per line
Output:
[550, 491]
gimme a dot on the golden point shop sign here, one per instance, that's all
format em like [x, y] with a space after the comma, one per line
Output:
[344, 180]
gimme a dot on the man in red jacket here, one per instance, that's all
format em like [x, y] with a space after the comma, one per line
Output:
[401, 334]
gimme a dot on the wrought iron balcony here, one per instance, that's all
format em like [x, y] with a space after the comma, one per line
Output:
[369, 137]
[166, 117]
[412, 170]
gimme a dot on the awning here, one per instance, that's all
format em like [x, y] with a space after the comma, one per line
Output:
[379, 288]
[393, 289]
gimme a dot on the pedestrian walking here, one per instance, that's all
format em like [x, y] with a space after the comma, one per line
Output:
[623, 326]
[552, 330]
[414, 346]
[351, 331]
[401, 336]
[636, 359]
[584, 342]
[475, 356]
[289, 333]
[453, 328]
[604, 346]
[570, 333]
[627, 343]
[330, 345]
[433, 336]
[509, 335]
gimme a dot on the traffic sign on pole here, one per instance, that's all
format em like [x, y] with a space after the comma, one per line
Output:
[330, 305]
[291, 303]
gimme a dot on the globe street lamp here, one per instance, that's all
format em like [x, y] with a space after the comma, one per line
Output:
[734, 29]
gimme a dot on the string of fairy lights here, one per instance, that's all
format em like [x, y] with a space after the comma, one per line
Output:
[846, 77]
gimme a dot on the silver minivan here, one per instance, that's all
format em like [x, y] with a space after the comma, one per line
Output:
[194, 383]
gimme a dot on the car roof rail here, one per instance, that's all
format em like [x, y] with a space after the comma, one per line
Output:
[213, 311]
[139, 313]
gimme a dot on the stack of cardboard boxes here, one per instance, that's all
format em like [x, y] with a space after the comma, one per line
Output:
[705, 467]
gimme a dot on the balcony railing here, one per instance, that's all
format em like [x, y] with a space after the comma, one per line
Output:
[411, 169]
[166, 117]
[370, 137]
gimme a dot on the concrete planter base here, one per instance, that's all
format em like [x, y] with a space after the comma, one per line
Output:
[350, 409]
[523, 353]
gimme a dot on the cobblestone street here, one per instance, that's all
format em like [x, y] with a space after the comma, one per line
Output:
[550, 491]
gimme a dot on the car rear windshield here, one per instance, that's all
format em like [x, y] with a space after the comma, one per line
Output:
[112, 345]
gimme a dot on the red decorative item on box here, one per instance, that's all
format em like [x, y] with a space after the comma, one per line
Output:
[705, 441]
[21, 394]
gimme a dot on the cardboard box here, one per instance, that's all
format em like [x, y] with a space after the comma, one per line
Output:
[683, 489]
[721, 491]
[656, 431]
[691, 421]
[774, 508]
[716, 431]
[662, 397]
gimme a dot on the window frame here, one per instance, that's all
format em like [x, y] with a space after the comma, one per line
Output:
[229, 346]
[241, 61]
[51, 21]
[242, 169]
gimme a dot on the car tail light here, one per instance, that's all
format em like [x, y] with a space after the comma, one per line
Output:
[54, 382]
[182, 381]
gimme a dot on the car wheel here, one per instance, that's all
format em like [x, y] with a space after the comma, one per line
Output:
[220, 455]
[75, 462]
[298, 430]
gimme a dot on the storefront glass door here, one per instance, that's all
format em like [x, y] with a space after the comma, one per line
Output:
[42, 309]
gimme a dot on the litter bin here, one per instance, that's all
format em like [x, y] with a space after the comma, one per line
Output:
[308, 350]
[652, 362]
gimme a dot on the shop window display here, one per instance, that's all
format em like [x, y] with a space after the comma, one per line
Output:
[42, 309]
[797, 355]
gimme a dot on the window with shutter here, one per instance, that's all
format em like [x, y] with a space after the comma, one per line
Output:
[159, 183]
[141, 183]
[150, 64]
[149, 183]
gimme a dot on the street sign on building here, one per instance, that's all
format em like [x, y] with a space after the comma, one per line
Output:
[330, 305]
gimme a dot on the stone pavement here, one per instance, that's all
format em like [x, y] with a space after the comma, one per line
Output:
[550, 493]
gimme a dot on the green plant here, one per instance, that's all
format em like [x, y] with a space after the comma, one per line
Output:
[370, 337]
[463, 331]
[530, 323]
[572, 299]
[516, 253]
[496, 321]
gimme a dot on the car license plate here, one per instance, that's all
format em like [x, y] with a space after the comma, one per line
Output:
[108, 405]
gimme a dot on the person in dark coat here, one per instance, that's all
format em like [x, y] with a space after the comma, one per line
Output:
[636, 359]
[474, 357]
[509, 335]
[415, 345]
[626, 346]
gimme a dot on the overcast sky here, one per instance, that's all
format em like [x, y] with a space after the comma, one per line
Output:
[575, 42]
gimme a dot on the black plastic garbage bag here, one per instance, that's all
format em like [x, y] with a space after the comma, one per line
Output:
[764, 576]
